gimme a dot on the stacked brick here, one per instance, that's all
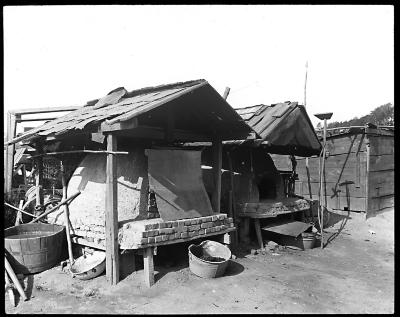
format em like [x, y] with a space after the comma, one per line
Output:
[94, 233]
[139, 234]
[181, 230]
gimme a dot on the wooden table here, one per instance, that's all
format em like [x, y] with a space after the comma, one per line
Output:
[267, 209]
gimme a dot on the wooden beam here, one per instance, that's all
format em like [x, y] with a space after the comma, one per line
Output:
[36, 119]
[148, 132]
[111, 216]
[10, 150]
[44, 110]
[106, 126]
[217, 166]
[226, 93]
[80, 151]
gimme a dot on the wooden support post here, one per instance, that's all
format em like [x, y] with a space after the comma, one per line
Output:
[9, 289]
[111, 217]
[232, 200]
[148, 266]
[66, 211]
[258, 232]
[217, 166]
[18, 220]
[24, 174]
[244, 230]
[14, 278]
[308, 178]
[9, 159]
[39, 177]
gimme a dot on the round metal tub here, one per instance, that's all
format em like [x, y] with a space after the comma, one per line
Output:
[89, 266]
[209, 259]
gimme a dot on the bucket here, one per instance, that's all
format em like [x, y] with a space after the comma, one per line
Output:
[34, 247]
[308, 240]
[209, 259]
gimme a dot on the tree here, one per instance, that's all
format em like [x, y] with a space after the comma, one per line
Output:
[382, 115]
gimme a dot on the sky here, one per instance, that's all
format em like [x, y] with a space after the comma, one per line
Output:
[67, 55]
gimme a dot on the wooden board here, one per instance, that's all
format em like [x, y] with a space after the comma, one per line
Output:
[381, 183]
[282, 162]
[381, 145]
[341, 144]
[176, 178]
[381, 162]
[111, 213]
[332, 174]
[302, 189]
[356, 203]
[332, 161]
[379, 203]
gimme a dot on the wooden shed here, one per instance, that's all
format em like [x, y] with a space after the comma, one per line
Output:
[139, 187]
[359, 173]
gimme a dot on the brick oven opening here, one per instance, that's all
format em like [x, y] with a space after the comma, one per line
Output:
[267, 188]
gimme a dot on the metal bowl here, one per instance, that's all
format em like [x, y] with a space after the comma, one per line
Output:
[89, 266]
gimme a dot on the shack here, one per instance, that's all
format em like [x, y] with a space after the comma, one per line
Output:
[139, 187]
[359, 170]
[252, 186]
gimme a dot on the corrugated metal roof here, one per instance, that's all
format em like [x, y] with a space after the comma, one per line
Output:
[118, 105]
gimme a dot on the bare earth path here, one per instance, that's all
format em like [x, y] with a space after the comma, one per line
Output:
[353, 274]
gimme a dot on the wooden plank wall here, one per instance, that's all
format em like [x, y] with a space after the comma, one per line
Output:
[354, 170]
[381, 174]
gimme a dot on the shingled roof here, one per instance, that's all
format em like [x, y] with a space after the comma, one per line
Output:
[120, 105]
[284, 127]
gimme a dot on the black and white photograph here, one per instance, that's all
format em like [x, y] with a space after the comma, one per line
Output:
[198, 159]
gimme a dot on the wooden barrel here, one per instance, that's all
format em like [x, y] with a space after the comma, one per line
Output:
[34, 247]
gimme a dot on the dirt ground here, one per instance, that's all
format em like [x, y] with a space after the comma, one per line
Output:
[353, 274]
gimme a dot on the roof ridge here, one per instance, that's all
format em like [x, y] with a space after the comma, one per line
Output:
[144, 90]
[240, 108]
[148, 89]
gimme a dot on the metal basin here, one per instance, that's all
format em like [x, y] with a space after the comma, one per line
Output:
[89, 266]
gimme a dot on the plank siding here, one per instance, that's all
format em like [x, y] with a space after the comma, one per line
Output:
[376, 204]
[301, 188]
[341, 144]
[373, 189]
[381, 183]
[381, 145]
[381, 162]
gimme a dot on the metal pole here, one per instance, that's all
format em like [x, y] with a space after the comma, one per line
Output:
[305, 86]
[323, 201]
[325, 117]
